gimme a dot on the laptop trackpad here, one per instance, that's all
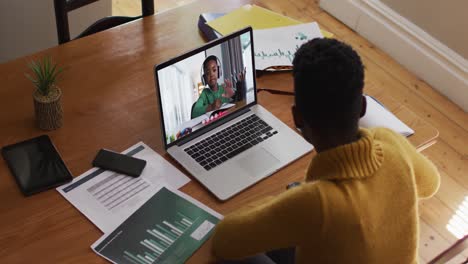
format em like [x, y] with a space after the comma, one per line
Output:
[255, 163]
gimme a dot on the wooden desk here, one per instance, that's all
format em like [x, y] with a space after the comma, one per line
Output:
[109, 101]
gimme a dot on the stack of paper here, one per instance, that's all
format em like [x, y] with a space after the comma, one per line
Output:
[276, 37]
[145, 219]
[277, 46]
[107, 198]
[254, 16]
[250, 15]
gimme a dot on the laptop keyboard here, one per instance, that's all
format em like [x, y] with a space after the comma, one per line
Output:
[229, 142]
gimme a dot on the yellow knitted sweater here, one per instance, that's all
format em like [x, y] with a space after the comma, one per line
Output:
[358, 205]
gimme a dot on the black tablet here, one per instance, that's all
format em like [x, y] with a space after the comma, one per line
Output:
[36, 165]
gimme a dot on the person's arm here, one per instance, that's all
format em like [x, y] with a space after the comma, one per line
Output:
[215, 105]
[202, 105]
[427, 176]
[289, 219]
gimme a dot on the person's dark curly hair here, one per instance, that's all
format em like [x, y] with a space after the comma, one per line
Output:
[328, 83]
[209, 58]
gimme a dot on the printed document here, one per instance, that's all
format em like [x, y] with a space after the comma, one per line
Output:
[277, 46]
[107, 198]
[168, 228]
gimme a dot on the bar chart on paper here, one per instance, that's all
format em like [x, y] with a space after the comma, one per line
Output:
[166, 229]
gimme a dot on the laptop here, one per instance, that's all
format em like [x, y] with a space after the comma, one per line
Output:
[211, 121]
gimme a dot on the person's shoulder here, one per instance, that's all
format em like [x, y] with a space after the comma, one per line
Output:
[305, 189]
[392, 140]
[318, 189]
[313, 191]
[385, 134]
[205, 90]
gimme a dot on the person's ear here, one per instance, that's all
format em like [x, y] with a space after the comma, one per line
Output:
[363, 106]
[298, 119]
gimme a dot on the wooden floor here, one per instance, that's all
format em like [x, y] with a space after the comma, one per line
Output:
[450, 153]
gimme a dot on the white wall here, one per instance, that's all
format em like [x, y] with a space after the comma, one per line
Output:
[421, 53]
[446, 21]
[28, 26]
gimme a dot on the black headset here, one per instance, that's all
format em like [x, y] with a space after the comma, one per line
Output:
[202, 70]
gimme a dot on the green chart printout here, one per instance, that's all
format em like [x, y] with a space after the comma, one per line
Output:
[168, 228]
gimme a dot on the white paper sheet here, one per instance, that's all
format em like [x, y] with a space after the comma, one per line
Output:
[107, 198]
[277, 46]
[378, 116]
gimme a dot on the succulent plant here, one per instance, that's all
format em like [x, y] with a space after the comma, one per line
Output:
[44, 74]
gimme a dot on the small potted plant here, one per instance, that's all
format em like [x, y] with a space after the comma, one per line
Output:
[47, 95]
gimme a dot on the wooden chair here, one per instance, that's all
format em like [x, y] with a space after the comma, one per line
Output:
[452, 251]
[62, 7]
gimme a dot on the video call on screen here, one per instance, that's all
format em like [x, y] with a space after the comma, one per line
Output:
[207, 86]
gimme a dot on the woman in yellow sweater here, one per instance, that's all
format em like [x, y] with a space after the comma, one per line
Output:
[359, 201]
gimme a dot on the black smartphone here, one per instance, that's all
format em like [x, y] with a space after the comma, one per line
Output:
[120, 163]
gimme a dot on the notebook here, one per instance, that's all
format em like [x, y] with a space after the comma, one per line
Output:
[379, 116]
[236, 147]
[251, 15]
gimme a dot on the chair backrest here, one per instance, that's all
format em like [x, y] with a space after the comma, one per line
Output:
[62, 7]
[452, 251]
[191, 110]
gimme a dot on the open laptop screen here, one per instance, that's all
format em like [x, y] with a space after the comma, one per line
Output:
[206, 85]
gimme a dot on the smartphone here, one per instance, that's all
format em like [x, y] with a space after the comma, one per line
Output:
[120, 163]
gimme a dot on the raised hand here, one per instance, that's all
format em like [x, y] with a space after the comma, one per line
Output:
[241, 75]
[228, 91]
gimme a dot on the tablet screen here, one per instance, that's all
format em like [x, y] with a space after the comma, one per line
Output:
[36, 165]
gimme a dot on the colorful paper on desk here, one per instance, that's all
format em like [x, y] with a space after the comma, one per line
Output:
[254, 16]
[277, 46]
